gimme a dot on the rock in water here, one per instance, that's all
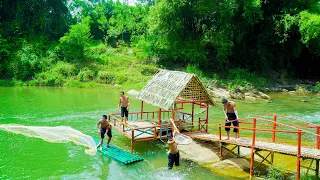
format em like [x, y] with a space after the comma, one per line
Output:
[197, 153]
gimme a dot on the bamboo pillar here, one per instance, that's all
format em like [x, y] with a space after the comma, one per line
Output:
[173, 117]
[141, 110]
[220, 132]
[207, 117]
[252, 148]
[132, 140]
[274, 128]
[192, 113]
[159, 117]
[318, 138]
[298, 155]
[221, 155]
[155, 133]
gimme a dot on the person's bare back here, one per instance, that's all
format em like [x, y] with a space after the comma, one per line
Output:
[230, 106]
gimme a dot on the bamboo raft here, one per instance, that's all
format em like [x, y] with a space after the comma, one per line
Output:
[118, 154]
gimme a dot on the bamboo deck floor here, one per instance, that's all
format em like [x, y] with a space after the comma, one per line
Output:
[261, 145]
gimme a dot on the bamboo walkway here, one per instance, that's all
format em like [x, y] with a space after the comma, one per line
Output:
[261, 145]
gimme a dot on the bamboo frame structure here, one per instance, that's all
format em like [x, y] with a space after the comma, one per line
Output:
[169, 91]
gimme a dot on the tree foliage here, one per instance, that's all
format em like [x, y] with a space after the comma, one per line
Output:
[271, 38]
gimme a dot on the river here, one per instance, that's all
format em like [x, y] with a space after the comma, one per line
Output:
[30, 158]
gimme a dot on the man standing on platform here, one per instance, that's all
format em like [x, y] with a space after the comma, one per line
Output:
[231, 115]
[105, 128]
[173, 153]
[124, 103]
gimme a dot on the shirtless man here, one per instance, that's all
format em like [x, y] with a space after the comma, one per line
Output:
[231, 115]
[124, 103]
[105, 128]
[173, 153]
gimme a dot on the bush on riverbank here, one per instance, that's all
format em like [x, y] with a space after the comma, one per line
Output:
[104, 65]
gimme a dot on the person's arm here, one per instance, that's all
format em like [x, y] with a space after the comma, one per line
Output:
[128, 104]
[119, 103]
[97, 126]
[236, 112]
[225, 113]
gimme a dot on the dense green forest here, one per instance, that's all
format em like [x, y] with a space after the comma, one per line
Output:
[65, 42]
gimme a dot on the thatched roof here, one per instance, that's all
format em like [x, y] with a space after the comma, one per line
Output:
[166, 86]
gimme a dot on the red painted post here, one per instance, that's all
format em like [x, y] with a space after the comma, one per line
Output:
[159, 117]
[141, 110]
[252, 147]
[318, 138]
[207, 118]
[298, 155]
[274, 128]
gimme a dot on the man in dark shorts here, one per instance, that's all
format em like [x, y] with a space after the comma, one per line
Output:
[231, 115]
[105, 128]
[124, 103]
[173, 153]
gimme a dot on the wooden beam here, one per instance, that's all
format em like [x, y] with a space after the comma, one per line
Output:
[298, 155]
[274, 128]
[252, 148]
[141, 110]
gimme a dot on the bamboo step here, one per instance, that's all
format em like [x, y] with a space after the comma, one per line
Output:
[118, 154]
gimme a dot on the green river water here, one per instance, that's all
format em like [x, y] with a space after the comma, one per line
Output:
[31, 158]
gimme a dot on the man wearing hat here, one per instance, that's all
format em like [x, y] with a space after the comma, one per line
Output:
[173, 153]
[231, 115]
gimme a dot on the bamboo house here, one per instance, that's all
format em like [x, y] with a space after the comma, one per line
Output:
[174, 95]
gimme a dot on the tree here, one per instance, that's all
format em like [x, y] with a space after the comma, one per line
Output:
[74, 43]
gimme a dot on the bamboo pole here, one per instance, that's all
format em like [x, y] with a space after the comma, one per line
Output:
[132, 141]
[252, 148]
[159, 117]
[274, 128]
[221, 155]
[318, 138]
[207, 118]
[141, 110]
[192, 113]
[298, 155]
[220, 132]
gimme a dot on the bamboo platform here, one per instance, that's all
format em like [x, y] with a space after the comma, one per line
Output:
[261, 145]
[118, 154]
